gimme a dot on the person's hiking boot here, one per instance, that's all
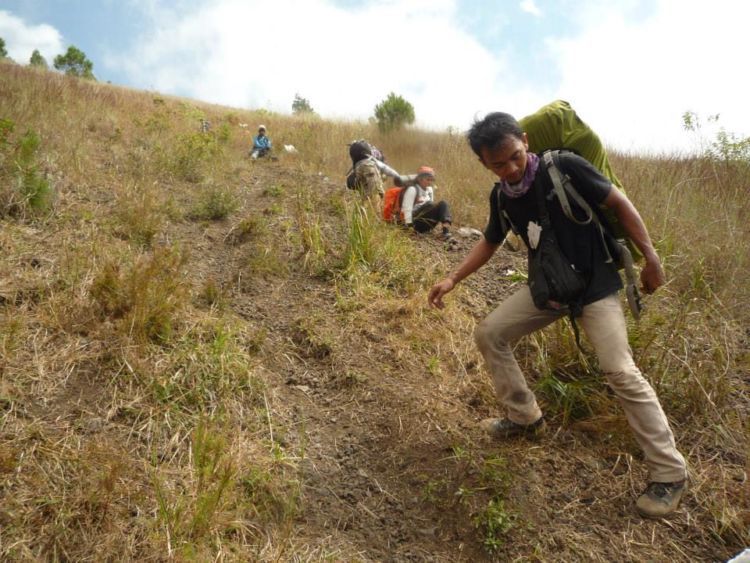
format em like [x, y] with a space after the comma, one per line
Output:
[660, 499]
[502, 428]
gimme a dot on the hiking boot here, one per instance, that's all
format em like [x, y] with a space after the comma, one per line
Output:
[503, 428]
[660, 499]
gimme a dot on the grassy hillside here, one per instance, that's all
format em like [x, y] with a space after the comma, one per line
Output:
[203, 357]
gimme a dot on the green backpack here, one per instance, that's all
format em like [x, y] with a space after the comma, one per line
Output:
[557, 126]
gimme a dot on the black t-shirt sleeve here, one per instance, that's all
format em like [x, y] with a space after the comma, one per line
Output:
[496, 228]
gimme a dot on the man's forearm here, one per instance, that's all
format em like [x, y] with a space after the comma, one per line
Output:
[477, 258]
[632, 224]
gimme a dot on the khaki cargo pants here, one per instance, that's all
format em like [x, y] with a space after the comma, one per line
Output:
[604, 324]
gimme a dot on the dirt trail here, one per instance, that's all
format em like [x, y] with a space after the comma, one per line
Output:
[387, 475]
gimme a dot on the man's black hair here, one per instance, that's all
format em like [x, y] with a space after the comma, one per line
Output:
[492, 130]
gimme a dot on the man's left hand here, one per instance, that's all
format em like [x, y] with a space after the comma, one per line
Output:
[652, 276]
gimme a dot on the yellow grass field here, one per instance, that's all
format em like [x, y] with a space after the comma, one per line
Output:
[209, 358]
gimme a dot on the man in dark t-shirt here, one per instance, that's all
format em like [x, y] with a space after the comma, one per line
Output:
[582, 244]
[502, 148]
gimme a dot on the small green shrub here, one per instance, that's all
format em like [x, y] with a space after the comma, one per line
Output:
[212, 294]
[215, 203]
[190, 155]
[314, 244]
[361, 248]
[495, 521]
[272, 495]
[23, 188]
[206, 366]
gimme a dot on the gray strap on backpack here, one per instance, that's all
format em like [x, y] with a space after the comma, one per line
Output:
[562, 187]
[560, 184]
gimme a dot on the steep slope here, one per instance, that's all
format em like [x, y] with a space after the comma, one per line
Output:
[206, 357]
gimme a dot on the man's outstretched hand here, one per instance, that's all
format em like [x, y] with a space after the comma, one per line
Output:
[435, 297]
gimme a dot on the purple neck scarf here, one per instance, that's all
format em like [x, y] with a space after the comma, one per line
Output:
[517, 190]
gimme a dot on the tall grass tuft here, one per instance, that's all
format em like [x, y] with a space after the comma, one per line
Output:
[190, 517]
[140, 214]
[360, 250]
[309, 225]
[142, 295]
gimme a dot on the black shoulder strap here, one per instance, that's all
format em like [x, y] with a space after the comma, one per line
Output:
[505, 223]
[543, 212]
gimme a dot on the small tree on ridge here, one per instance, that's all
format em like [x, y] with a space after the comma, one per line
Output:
[301, 105]
[75, 63]
[37, 59]
[393, 113]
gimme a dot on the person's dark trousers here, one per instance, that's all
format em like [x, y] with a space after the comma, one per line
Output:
[430, 214]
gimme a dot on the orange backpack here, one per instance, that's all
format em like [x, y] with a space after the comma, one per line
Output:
[392, 205]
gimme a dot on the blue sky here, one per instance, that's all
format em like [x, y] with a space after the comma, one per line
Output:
[631, 68]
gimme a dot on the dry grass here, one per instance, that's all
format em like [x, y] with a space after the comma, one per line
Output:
[189, 341]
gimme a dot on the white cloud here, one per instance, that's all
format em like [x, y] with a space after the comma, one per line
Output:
[256, 53]
[633, 81]
[21, 39]
[630, 68]
[530, 7]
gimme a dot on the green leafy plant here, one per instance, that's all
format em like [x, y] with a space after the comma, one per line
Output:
[573, 399]
[726, 146]
[207, 365]
[191, 154]
[361, 249]
[139, 213]
[314, 245]
[495, 521]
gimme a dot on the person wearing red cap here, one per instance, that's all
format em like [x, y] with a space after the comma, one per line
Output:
[419, 209]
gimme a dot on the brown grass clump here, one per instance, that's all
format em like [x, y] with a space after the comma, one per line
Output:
[204, 357]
